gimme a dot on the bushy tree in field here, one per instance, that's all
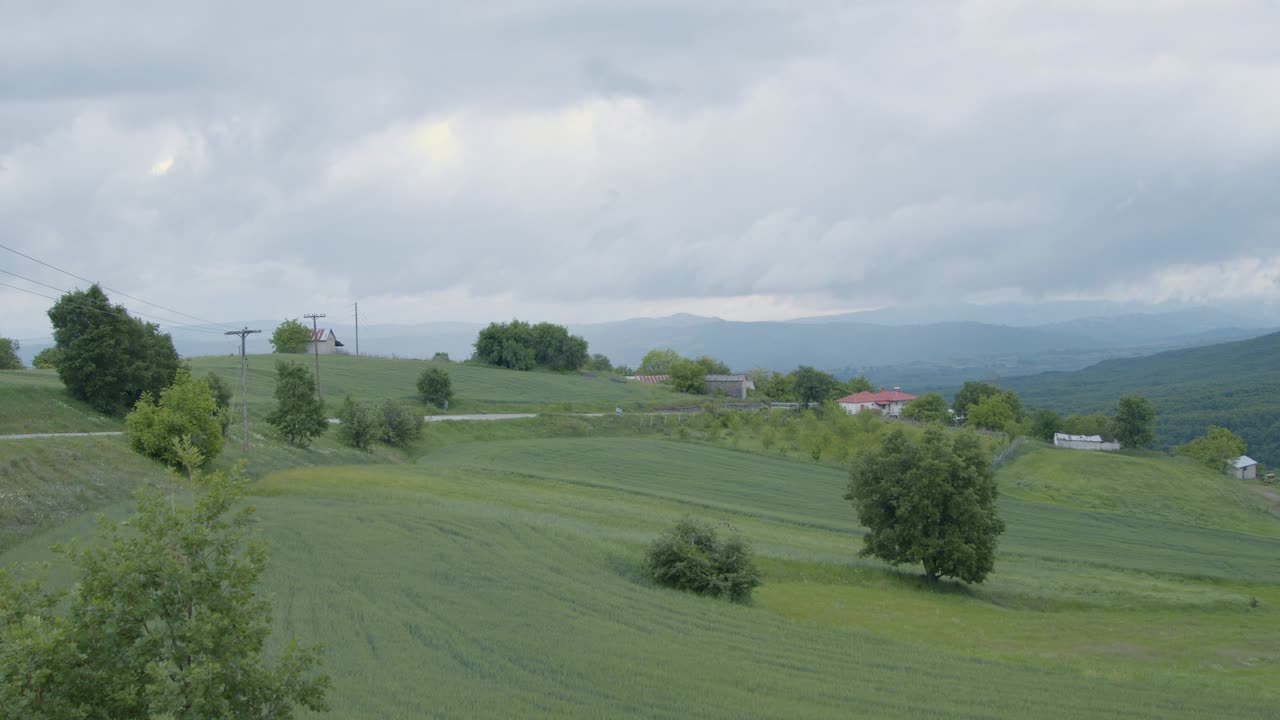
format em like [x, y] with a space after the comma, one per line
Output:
[105, 357]
[1045, 423]
[398, 425]
[598, 363]
[434, 386]
[299, 414]
[290, 336]
[658, 362]
[186, 409]
[46, 359]
[624, 370]
[1217, 446]
[163, 621]
[930, 407]
[357, 427]
[687, 376]
[930, 502]
[691, 556]
[992, 412]
[9, 359]
[1092, 424]
[441, 357]
[811, 385]
[555, 349]
[973, 392]
[508, 345]
[712, 366]
[1135, 421]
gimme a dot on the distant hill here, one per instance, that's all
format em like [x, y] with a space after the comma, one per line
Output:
[1234, 385]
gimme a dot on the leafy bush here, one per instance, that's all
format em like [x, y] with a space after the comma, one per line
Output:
[46, 359]
[186, 409]
[398, 425]
[299, 414]
[290, 336]
[221, 392]
[692, 557]
[1215, 448]
[435, 387]
[358, 427]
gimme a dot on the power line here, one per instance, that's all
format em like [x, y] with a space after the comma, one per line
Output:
[37, 282]
[177, 326]
[112, 290]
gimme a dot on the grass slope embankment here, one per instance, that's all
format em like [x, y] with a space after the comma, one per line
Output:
[35, 401]
[476, 389]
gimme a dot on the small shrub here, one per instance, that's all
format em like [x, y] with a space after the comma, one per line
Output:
[185, 409]
[397, 424]
[434, 386]
[692, 557]
[358, 428]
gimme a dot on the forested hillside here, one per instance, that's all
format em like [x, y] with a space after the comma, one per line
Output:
[1234, 385]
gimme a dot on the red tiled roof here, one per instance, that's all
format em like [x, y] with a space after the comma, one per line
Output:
[884, 397]
[652, 379]
[319, 334]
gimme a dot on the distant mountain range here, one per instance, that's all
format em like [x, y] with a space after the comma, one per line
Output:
[1234, 385]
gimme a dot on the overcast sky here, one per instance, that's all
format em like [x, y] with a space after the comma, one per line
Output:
[582, 161]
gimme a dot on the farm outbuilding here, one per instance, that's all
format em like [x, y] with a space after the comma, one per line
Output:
[323, 341]
[889, 402]
[1083, 442]
[1244, 467]
[734, 386]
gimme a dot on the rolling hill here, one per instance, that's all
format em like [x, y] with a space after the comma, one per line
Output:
[1234, 385]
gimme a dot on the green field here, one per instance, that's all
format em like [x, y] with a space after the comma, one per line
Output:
[34, 401]
[476, 389]
[494, 570]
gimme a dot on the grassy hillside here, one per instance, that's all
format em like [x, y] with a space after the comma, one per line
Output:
[1234, 385]
[476, 389]
[34, 401]
[501, 577]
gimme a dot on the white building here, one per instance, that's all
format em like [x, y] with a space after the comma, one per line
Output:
[887, 402]
[1083, 442]
[323, 341]
[1244, 467]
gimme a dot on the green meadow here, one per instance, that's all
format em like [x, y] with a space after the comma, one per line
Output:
[494, 570]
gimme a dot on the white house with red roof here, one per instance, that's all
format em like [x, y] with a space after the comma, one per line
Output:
[887, 402]
[323, 341]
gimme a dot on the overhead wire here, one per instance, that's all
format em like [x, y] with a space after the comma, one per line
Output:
[112, 290]
[162, 322]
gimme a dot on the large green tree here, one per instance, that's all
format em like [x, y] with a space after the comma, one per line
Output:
[186, 409]
[299, 414]
[970, 393]
[929, 407]
[1217, 446]
[658, 362]
[1135, 421]
[1091, 424]
[9, 359]
[435, 387]
[508, 345]
[163, 621]
[992, 412]
[687, 376]
[290, 336]
[931, 502]
[811, 385]
[1045, 423]
[556, 349]
[712, 366]
[105, 357]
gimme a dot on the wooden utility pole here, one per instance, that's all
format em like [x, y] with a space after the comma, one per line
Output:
[244, 385]
[357, 306]
[316, 344]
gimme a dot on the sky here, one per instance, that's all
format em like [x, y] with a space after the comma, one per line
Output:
[591, 161]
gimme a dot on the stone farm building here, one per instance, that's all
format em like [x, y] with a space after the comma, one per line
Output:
[324, 342]
[888, 402]
[734, 386]
[1244, 467]
[1083, 442]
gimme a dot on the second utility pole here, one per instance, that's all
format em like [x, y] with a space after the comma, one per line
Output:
[315, 343]
[244, 385]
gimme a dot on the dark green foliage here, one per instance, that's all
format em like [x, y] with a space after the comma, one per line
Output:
[658, 362]
[1092, 424]
[221, 392]
[930, 407]
[778, 387]
[811, 385]
[46, 359]
[692, 557]
[398, 425]
[299, 414]
[1045, 423]
[1135, 421]
[991, 412]
[441, 357]
[186, 411]
[712, 366]
[854, 385]
[163, 621]
[930, 502]
[290, 336]
[358, 427]
[598, 363]
[970, 394]
[687, 376]
[435, 387]
[520, 346]
[1234, 385]
[9, 359]
[1215, 447]
[624, 370]
[107, 358]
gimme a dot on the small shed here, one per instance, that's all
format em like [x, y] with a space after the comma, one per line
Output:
[734, 386]
[1244, 467]
[1083, 442]
[323, 342]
